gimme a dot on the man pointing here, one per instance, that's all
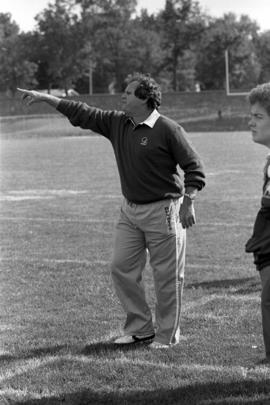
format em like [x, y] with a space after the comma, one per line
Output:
[157, 204]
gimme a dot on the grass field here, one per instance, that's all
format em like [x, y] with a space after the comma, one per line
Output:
[52, 125]
[59, 203]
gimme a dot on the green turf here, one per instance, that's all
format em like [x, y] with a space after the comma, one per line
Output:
[60, 202]
[52, 125]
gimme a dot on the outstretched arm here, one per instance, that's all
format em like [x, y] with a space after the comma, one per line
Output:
[79, 114]
[30, 97]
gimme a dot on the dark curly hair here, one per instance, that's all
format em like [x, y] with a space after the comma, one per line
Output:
[260, 94]
[147, 88]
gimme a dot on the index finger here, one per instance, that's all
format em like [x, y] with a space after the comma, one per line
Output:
[27, 92]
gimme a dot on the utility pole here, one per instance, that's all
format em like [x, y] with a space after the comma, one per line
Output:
[91, 67]
[227, 73]
[90, 76]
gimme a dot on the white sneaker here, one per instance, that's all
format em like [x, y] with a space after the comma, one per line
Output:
[157, 345]
[128, 339]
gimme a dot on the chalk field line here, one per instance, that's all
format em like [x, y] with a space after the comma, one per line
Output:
[22, 367]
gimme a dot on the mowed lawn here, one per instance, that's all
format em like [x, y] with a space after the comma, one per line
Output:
[60, 202]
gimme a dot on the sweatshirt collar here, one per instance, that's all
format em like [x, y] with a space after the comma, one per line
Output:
[151, 119]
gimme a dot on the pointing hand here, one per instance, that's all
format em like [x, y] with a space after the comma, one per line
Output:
[31, 96]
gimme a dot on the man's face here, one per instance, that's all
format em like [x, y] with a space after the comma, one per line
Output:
[130, 103]
[260, 125]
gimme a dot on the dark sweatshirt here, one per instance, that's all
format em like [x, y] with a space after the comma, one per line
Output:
[259, 243]
[147, 158]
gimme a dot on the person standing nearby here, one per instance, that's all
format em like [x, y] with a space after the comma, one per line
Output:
[259, 243]
[157, 207]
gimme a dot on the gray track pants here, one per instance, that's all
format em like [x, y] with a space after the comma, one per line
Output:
[265, 304]
[154, 226]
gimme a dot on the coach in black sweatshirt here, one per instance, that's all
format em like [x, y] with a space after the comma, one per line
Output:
[157, 206]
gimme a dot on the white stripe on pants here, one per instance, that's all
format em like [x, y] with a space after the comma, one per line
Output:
[154, 226]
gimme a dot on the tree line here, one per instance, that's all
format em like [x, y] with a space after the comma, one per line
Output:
[91, 46]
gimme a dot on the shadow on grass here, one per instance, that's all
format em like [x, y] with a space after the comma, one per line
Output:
[243, 285]
[104, 348]
[210, 393]
[97, 349]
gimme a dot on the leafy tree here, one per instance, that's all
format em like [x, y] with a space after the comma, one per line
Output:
[15, 69]
[79, 40]
[263, 53]
[106, 27]
[8, 28]
[181, 25]
[61, 54]
[227, 33]
[144, 50]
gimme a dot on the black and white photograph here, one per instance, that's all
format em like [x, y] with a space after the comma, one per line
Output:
[135, 202]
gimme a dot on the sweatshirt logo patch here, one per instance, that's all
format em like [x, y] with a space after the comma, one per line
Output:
[144, 141]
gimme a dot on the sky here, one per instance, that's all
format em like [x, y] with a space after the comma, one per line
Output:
[24, 11]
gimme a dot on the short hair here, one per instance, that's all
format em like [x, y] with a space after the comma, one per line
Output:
[261, 94]
[147, 88]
